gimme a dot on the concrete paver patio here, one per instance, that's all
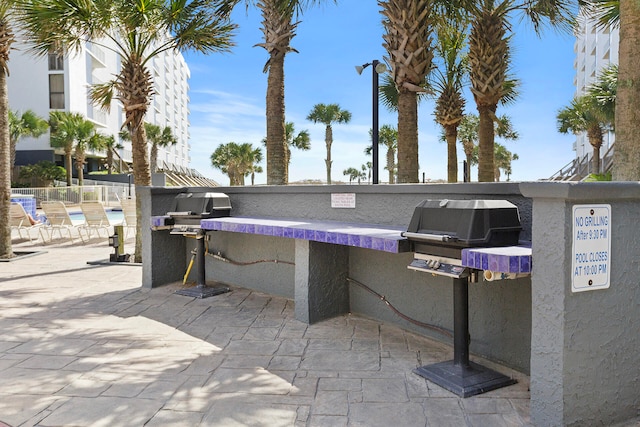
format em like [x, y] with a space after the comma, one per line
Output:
[85, 345]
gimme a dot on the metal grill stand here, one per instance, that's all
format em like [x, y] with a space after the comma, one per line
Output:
[201, 290]
[460, 376]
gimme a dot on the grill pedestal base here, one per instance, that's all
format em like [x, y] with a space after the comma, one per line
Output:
[201, 290]
[460, 376]
[465, 381]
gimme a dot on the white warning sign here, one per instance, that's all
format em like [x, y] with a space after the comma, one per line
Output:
[591, 249]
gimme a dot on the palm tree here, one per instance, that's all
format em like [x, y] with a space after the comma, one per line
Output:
[328, 114]
[301, 141]
[468, 135]
[111, 145]
[584, 115]
[353, 173]
[387, 136]
[625, 15]
[408, 41]
[278, 29]
[237, 161]
[64, 130]
[159, 137]
[6, 40]
[86, 139]
[137, 32]
[447, 84]
[20, 125]
[489, 57]
[503, 159]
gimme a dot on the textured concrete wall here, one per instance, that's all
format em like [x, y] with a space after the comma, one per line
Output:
[585, 363]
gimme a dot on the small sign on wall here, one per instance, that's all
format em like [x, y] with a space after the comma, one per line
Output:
[591, 248]
[343, 200]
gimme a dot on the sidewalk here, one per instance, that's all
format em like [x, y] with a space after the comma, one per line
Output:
[84, 345]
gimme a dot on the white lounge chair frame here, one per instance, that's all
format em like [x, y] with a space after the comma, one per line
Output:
[95, 219]
[129, 212]
[58, 219]
[19, 221]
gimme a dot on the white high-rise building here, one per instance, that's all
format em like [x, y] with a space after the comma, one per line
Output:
[62, 83]
[596, 48]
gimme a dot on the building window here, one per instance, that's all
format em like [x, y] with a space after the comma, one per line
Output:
[56, 62]
[56, 91]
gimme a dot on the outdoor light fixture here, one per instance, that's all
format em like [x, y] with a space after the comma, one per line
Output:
[377, 68]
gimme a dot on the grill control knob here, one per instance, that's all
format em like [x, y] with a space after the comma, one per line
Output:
[436, 265]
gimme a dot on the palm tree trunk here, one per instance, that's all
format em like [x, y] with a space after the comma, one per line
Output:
[595, 136]
[153, 158]
[486, 169]
[5, 177]
[141, 171]
[276, 171]
[80, 157]
[12, 165]
[328, 141]
[391, 155]
[68, 165]
[109, 160]
[451, 135]
[626, 158]
[407, 136]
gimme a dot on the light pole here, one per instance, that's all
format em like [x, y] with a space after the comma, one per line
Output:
[377, 68]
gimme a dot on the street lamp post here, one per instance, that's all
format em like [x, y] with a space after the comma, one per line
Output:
[377, 68]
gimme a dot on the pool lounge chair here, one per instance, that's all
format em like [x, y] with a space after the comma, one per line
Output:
[19, 220]
[95, 219]
[58, 219]
[129, 211]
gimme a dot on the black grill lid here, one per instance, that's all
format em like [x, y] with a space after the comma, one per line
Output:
[465, 223]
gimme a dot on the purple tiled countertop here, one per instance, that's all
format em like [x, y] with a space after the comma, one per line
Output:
[369, 236]
[508, 259]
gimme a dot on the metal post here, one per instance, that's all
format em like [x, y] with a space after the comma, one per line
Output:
[375, 131]
[461, 321]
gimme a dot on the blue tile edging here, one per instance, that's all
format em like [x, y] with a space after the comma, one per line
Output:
[509, 259]
[369, 236]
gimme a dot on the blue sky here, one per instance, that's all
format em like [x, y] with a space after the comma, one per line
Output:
[228, 92]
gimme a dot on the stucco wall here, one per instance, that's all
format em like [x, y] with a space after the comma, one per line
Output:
[585, 358]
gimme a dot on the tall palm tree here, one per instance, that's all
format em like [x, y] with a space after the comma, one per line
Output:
[236, 160]
[408, 41]
[328, 114]
[448, 83]
[64, 132]
[159, 137]
[489, 57]
[20, 125]
[137, 31]
[6, 40]
[387, 136]
[278, 29]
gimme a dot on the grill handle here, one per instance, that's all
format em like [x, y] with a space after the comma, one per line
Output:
[426, 237]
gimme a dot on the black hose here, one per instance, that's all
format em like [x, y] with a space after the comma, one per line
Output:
[435, 328]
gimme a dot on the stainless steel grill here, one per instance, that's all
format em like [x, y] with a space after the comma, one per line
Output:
[188, 210]
[438, 232]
